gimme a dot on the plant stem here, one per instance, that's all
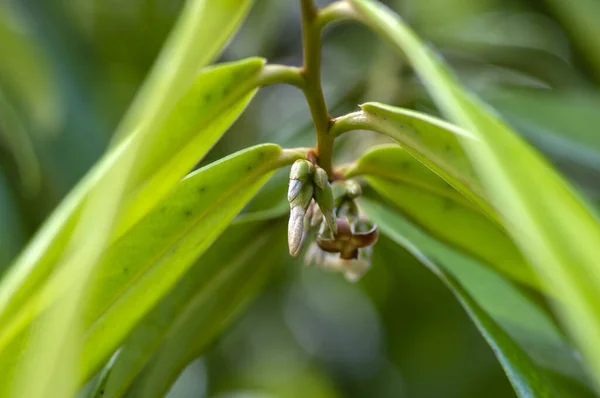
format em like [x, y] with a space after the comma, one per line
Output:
[311, 71]
[275, 74]
[335, 12]
[308, 78]
[290, 155]
[350, 122]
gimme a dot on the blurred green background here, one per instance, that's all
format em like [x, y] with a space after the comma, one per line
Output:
[69, 69]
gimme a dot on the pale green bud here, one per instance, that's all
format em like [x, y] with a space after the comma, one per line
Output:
[303, 197]
[295, 230]
[298, 208]
[294, 189]
[320, 178]
[324, 197]
[301, 170]
[353, 189]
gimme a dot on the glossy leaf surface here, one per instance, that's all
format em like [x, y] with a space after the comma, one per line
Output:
[437, 207]
[433, 142]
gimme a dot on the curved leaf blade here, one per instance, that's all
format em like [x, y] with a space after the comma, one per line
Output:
[396, 163]
[507, 319]
[12, 233]
[200, 118]
[208, 299]
[434, 142]
[162, 247]
[438, 208]
[562, 238]
[191, 129]
[153, 255]
[202, 30]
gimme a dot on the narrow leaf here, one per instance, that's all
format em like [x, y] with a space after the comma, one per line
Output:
[580, 19]
[219, 286]
[505, 317]
[433, 142]
[12, 233]
[438, 208]
[198, 120]
[560, 236]
[153, 255]
[202, 30]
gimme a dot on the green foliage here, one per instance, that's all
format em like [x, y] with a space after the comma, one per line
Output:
[154, 254]
[561, 242]
[526, 377]
[433, 142]
[496, 306]
[439, 209]
[156, 251]
[161, 168]
[200, 306]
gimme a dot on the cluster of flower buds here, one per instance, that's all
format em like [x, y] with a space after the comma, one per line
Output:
[343, 240]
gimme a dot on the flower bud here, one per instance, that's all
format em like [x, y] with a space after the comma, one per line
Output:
[301, 170]
[324, 198]
[295, 230]
[353, 189]
[294, 189]
[298, 208]
[320, 178]
[317, 216]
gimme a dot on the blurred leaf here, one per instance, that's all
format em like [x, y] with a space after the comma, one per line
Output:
[580, 19]
[221, 93]
[186, 135]
[562, 238]
[505, 317]
[97, 386]
[164, 244]
[200, 306]
[560, 124]
[517, 39]
[436, 207]
[12, 235]
[261, 30]
[14, 136]
[151, 257]
[51, 354]
[25, 73]
[201, 32]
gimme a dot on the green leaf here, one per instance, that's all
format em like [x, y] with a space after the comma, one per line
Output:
[562, 125]
[549, 222]
[152, 256]
[51, 354]
[12, 233]
[202, 30]
[197, 121]
[522, 336]
[435, 206]
[433, 142]
[202, 304]
[580, 19]
[14, 136]
[24, 75]
[200, 118]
